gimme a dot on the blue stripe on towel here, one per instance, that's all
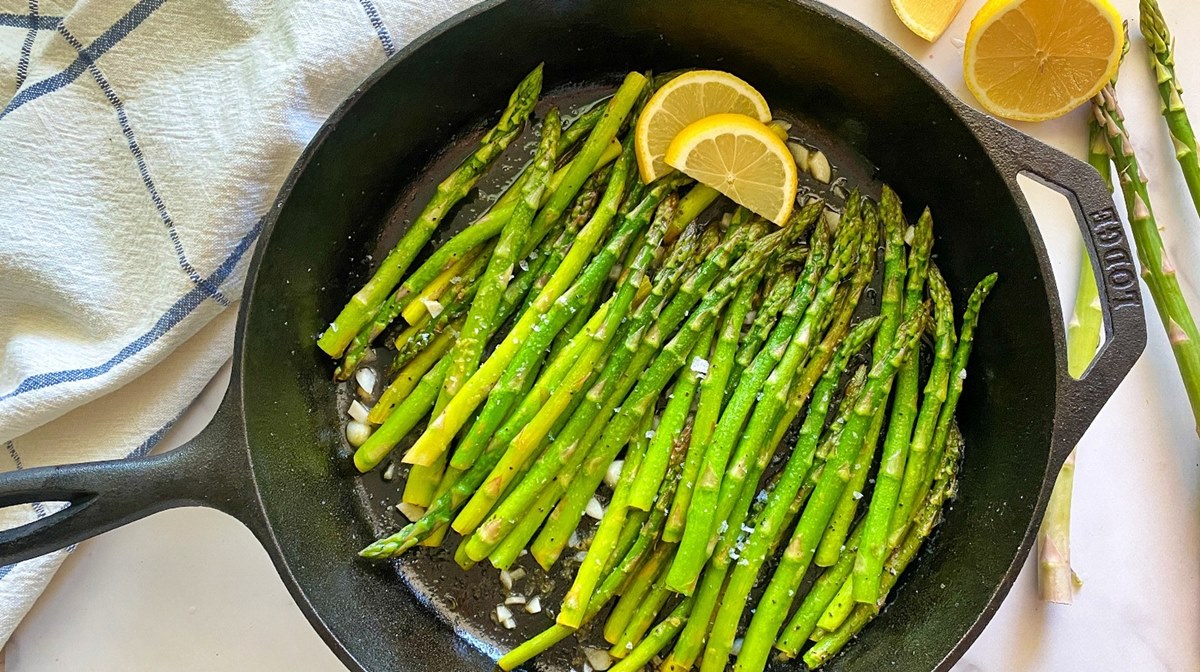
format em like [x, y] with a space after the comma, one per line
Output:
[27, 46]
[107, 40]
[174, 315]
[10, 20]
[385, 37]
[144, 172]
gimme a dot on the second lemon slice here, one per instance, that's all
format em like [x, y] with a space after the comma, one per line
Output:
[742, 158]
[686, 99]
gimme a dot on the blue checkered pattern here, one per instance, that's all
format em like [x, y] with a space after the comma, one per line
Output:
[142, 143]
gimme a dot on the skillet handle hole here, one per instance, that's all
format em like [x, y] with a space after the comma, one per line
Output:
[1085, 326]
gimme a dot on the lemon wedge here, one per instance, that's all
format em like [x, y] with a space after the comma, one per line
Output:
[927, 18]
[1033, 60]
[686, 99]
[740, 157]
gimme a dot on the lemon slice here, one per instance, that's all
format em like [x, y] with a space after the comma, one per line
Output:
[688, 98]
[742, 158]
[1032, 60]
[927, 18]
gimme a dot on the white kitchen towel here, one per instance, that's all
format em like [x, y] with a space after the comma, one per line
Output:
[141, 143]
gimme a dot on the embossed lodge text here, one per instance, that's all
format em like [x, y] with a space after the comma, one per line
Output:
[1120, 275]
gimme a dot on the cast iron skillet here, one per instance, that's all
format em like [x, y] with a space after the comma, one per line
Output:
[268, 457]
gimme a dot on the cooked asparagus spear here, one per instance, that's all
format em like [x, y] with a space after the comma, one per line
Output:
[712, 390]
[679, 406]
[536, 330]
[657, 640]
[366, 301]
[799, 324]
[776, 601]
[927, 518]
[769, 528]
[505, 394]
[901, 489]
[481, 318]
[448, 503]
[434, 441]
[614, 582]
[822, 594]
[639, 362]
[891, 309]
[958, 375]
[643, 381]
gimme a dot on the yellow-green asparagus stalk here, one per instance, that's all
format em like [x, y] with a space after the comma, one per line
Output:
[367, 301]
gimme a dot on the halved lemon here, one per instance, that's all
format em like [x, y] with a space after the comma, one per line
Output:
[684, 100]
[927, 18]
[742, 158]
[1033, 60]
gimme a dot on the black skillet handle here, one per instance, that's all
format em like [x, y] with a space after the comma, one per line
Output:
[209, 470]
[1112, 261]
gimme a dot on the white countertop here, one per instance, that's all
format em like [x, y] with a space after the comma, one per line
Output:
[191, 590]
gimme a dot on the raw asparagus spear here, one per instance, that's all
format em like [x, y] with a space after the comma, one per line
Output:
[1056, 580]
[1162, 60]
[1157, 270]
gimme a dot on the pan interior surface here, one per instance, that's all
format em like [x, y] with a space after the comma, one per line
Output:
[377, 162]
